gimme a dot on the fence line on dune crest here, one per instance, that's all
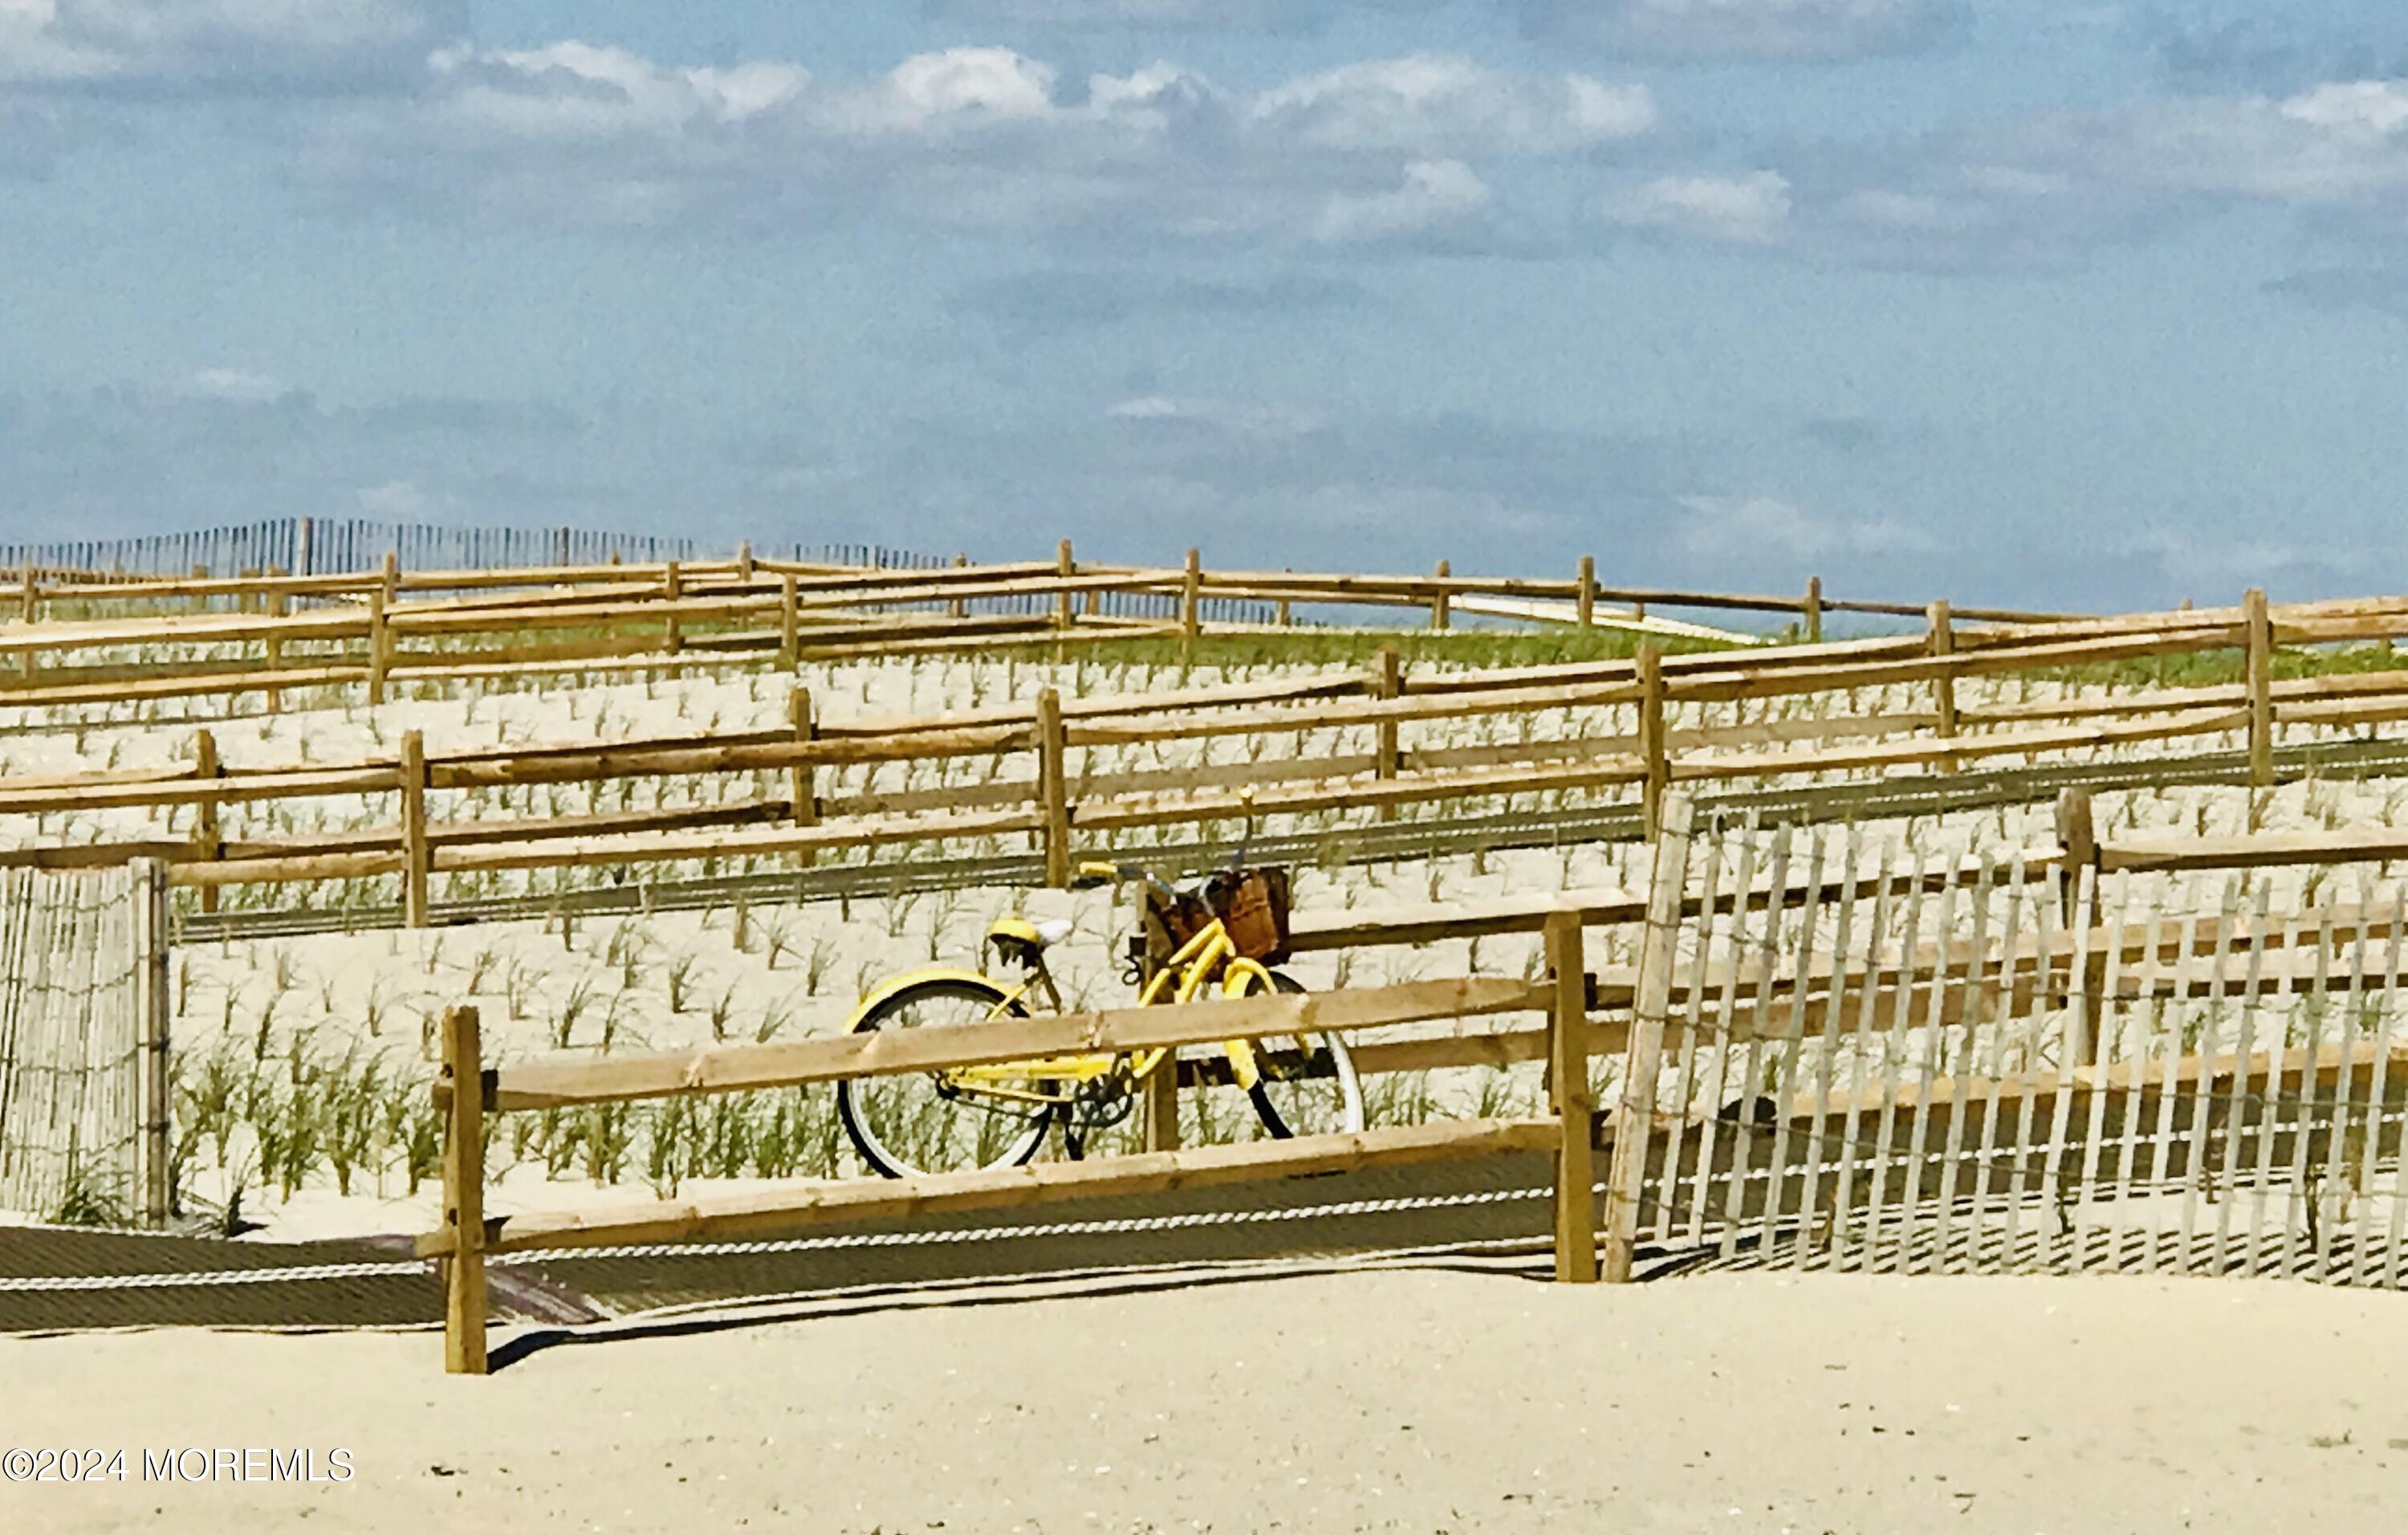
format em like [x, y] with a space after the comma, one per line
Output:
[235, 558]
[1067, 798]
[344, 614]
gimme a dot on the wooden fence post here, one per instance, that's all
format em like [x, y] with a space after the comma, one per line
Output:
[200, 599]
[1634, 1122]
[377, 645]
[1161, 1096]
[1811, 610]
[744, 562]
[2261, 639]
[1653, 752]
[1162, 1106]
[672, 588]
[1051, 747]
[463, 1196]
[1388, 757]
[1439, 605]
[790, 621]
[959, 607]
[417, 859]
[1191, 603]
[2077, 832]
[1586, 599]
[33, 597]
[1575, 1104]
[280, 605]
[1065, 566]
[208, 843]
[151, 913]
[1280, 613]
[802, 787]
[1942, 641]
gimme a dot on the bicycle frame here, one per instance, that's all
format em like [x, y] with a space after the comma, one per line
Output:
[1184, 976]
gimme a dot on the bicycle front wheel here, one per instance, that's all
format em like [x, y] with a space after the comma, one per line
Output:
[1306, 1083]
[928, 1122]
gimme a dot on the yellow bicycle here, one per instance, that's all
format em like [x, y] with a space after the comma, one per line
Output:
[1220, 939]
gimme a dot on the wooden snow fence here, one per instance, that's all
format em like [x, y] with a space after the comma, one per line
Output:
[2013, 1074]
[83, 1045]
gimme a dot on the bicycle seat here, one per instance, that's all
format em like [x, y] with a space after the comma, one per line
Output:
[1017, 937]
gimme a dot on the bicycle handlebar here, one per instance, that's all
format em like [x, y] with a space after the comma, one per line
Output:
[1092, 875]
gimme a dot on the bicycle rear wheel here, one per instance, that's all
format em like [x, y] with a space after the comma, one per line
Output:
[906, 1125]
[1307, 1084]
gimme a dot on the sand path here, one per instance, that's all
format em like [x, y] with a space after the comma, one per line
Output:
[1408, 1401]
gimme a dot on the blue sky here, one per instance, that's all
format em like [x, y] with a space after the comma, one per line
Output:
[2085, 305]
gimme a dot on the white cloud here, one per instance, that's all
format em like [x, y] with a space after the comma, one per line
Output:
[1765, 29]
[1236, 418]
[2046, 191]
[1759, 526]
[395, 500]
[1749, 209]
[234, 45]
[1199, 13]
[982, 137]
[2221, 566]
[1435, 193]
[1146, 407]
[233, 386]
[932, 91]
[1431, 101]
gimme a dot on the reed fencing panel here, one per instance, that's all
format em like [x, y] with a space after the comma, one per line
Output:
[311, 546]
[82, 1044]
[2133, 1075]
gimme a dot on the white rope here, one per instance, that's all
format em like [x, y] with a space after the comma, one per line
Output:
[213, 1277]
[952, 1236]
[1119, 1226]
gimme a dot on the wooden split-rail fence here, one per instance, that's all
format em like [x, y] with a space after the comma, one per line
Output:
[1833, 1051]
[1062, 797]
[370, 589]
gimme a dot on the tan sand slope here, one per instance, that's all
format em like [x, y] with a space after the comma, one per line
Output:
[1409, 1401]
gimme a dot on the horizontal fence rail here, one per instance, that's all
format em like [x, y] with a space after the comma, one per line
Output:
[1060, 800]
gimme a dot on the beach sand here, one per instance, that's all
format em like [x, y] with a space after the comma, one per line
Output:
[1406, 1400]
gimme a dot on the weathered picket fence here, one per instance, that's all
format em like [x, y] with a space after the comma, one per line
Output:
[2038, 1070]
[83, 1043]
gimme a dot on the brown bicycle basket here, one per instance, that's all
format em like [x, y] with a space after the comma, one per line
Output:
[1253, 904]
[1174, 920]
